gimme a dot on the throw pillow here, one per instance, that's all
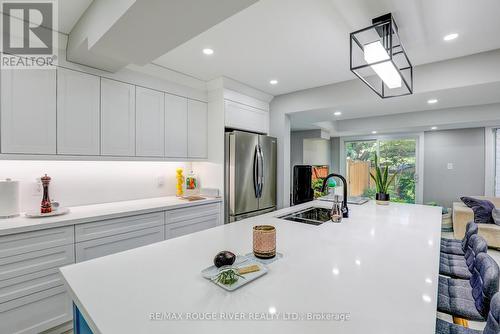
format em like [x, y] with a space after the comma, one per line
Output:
[482, 209]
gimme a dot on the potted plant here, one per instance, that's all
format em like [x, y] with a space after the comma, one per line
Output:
[382, 183]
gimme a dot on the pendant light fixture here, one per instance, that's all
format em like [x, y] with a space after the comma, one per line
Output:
[378, 58]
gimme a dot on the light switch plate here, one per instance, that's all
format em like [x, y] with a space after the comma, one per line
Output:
[449, 165]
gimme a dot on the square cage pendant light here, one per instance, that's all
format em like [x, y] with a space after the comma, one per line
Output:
[378, 58]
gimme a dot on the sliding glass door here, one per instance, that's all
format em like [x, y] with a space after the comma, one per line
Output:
[400, 154]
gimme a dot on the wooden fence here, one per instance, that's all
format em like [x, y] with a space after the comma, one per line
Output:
[358, 173]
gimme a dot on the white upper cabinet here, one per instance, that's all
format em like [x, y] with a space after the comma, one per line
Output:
[244, 117]
[176, 126]
[197, 129]
[77, 113]
[150, 122]
[28, 111]
[117, 118]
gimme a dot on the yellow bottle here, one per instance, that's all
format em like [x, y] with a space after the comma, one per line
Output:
[180, 182]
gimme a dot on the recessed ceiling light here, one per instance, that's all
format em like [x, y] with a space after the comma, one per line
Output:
[273, 82]
[208, 51]
[432, 101]
[450, 37]
[337, 113]
[434, 128]
[374, 132]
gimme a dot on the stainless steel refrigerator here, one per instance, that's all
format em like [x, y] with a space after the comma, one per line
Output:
[250, 172]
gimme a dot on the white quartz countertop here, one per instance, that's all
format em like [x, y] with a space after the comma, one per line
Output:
[89, 213]
[379, 267]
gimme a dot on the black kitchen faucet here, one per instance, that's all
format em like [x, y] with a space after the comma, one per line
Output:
[345, 209]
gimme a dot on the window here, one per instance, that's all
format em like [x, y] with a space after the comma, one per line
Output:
[397, 153]
[497, 164]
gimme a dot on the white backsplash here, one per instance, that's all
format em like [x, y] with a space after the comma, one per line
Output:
[90, 182]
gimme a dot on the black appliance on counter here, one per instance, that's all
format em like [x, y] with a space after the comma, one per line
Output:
[302, 184]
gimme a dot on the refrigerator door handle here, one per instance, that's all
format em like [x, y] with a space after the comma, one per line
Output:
[256, 171]
[261, 171]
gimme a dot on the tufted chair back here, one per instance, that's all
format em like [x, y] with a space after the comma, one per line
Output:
[492, 323]
[470, 229]
[476, 245]
[484, 282]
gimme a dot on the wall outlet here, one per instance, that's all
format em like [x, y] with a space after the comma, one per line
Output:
[449, 165]
[160, 181]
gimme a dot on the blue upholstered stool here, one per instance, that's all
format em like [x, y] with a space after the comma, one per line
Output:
[492, 322]
[470, 299]
[457, 266]
[459, 247]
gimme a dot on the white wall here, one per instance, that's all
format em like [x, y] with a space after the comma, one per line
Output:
[89, 182]
[317, 152]
[465, 150]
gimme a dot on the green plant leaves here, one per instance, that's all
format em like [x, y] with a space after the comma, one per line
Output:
[382, 180]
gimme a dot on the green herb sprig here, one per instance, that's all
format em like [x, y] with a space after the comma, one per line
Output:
[227, 276]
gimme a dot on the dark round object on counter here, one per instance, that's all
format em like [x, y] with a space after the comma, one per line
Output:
[224, 258]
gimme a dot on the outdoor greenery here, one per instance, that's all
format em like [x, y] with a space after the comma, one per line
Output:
[316, 185]
[399, 155]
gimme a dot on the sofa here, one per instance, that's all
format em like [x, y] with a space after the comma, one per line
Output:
[463, 214]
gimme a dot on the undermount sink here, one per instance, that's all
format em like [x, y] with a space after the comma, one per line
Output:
[312, 216]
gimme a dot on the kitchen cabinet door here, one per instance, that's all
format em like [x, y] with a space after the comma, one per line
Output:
[150, 123]
[95, 248]
[175, 230]
[192, 219]
[116, 235]
[197, 130]
[77, 113]
[28, 111]
[37, 312]
[176, 126]
[243, 117]
[117, 118]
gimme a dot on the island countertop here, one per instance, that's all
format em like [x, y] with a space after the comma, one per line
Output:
[377, 270]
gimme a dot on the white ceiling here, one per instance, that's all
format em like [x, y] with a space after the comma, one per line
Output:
[69, 13]
[371, 105]
[305, 43]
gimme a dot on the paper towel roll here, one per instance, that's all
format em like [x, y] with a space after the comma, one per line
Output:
[9, 198]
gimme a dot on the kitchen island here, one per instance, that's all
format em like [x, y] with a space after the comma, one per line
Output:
[376, 272]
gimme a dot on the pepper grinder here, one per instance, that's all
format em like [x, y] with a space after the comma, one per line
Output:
[46, 206]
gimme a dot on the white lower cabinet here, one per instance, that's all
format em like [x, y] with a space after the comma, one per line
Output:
[175, 230]
[33, 297]
[37, 312]
[116, 235]
[184, 221]
[92, 249]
